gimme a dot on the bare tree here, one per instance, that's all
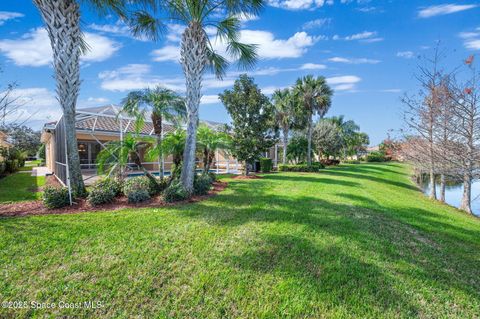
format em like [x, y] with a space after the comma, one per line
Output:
[422, 114]
[465, 97]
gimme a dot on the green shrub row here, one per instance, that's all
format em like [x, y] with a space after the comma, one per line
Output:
[136, 189]
[315, 167]
[377, 157]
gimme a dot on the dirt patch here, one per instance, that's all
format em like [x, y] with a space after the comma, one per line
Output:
[81, 205]
[247, 177]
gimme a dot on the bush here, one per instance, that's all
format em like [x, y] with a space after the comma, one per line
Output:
[162, 183]
[175, 192]
[137, 196]
[315, 167]
[3, 168]
[11, 166]
[138, 189]
[266, 165]
[202, 184]
[213, 177]
[113, 184]
[329, 162]
[351, 161]
[100, 195]
[376, 157]
[55, 197]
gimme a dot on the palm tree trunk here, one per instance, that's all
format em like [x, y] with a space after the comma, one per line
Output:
[285, 144]
[206, 160]
[157, 127]
[194, 58]
[62, 20]
[309, 138]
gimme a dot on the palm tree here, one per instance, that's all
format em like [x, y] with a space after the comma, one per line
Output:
[62, 21]
[173, 144]
[209, 141]
[164, 104]
[284, 115]
[348, 131]
[197, 54]
[315, 96]
[117, 154]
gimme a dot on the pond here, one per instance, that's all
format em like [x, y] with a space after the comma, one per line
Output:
[454, 192]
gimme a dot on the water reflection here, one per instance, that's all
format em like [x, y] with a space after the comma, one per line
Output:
[454, 192]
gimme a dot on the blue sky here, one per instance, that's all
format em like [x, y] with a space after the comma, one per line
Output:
[367, 49]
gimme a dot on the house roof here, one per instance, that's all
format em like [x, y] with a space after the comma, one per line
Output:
[110, 119]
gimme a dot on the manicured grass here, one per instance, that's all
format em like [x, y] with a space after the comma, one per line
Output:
[20, 187]
[356, 241]
[29, 165]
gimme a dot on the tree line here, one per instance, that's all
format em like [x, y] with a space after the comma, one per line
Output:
[443, 125]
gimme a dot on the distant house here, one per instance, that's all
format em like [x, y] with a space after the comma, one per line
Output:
[97, 126]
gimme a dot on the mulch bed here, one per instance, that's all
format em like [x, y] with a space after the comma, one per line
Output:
[37, 208]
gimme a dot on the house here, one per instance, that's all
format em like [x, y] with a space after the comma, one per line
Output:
[97, 126]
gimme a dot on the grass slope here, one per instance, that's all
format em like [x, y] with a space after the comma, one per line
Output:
[20, 187]
[353, 241]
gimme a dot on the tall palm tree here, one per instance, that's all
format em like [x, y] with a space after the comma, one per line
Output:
[284, 115]
[209, 141]
[62, 21]
[315, 96]
[173, 144]
[197, 54]
[164, 104]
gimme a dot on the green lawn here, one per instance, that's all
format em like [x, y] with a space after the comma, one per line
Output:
[20, 187]
[29, 165]
[354, 241]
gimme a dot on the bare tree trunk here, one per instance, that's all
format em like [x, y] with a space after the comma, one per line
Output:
[62, 20]
[247, 168]
[309, 138]
[442, 187]
[465, 205]
[433, 189]
[285, 145]
[194, 58]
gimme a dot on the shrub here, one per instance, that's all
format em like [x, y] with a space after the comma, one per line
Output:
[329, 162]
[213, 177]
[266, 165]
[351, 161]
[135, 189]
[315, 167]
[11, 166]
[3, 168]
[113, 184]
[141, 182]
[100, 195]
[175, 192]
[376, 157]
[202, 184]
[137, 196]
[162, 183]
[55, 197]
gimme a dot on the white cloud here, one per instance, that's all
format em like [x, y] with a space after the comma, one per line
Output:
[317, 23]
[33, 48]
[6, 15]
[405, 54]
[365, 36]
[344, 82]
[36, 104]
[298, 4]
[471, 40]
[313, 66]
[97, 100]
[209, 99]
[167, 53]
[391, 91]
[353, 60]
[443, 9]
[117, 29]
[268, 47]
